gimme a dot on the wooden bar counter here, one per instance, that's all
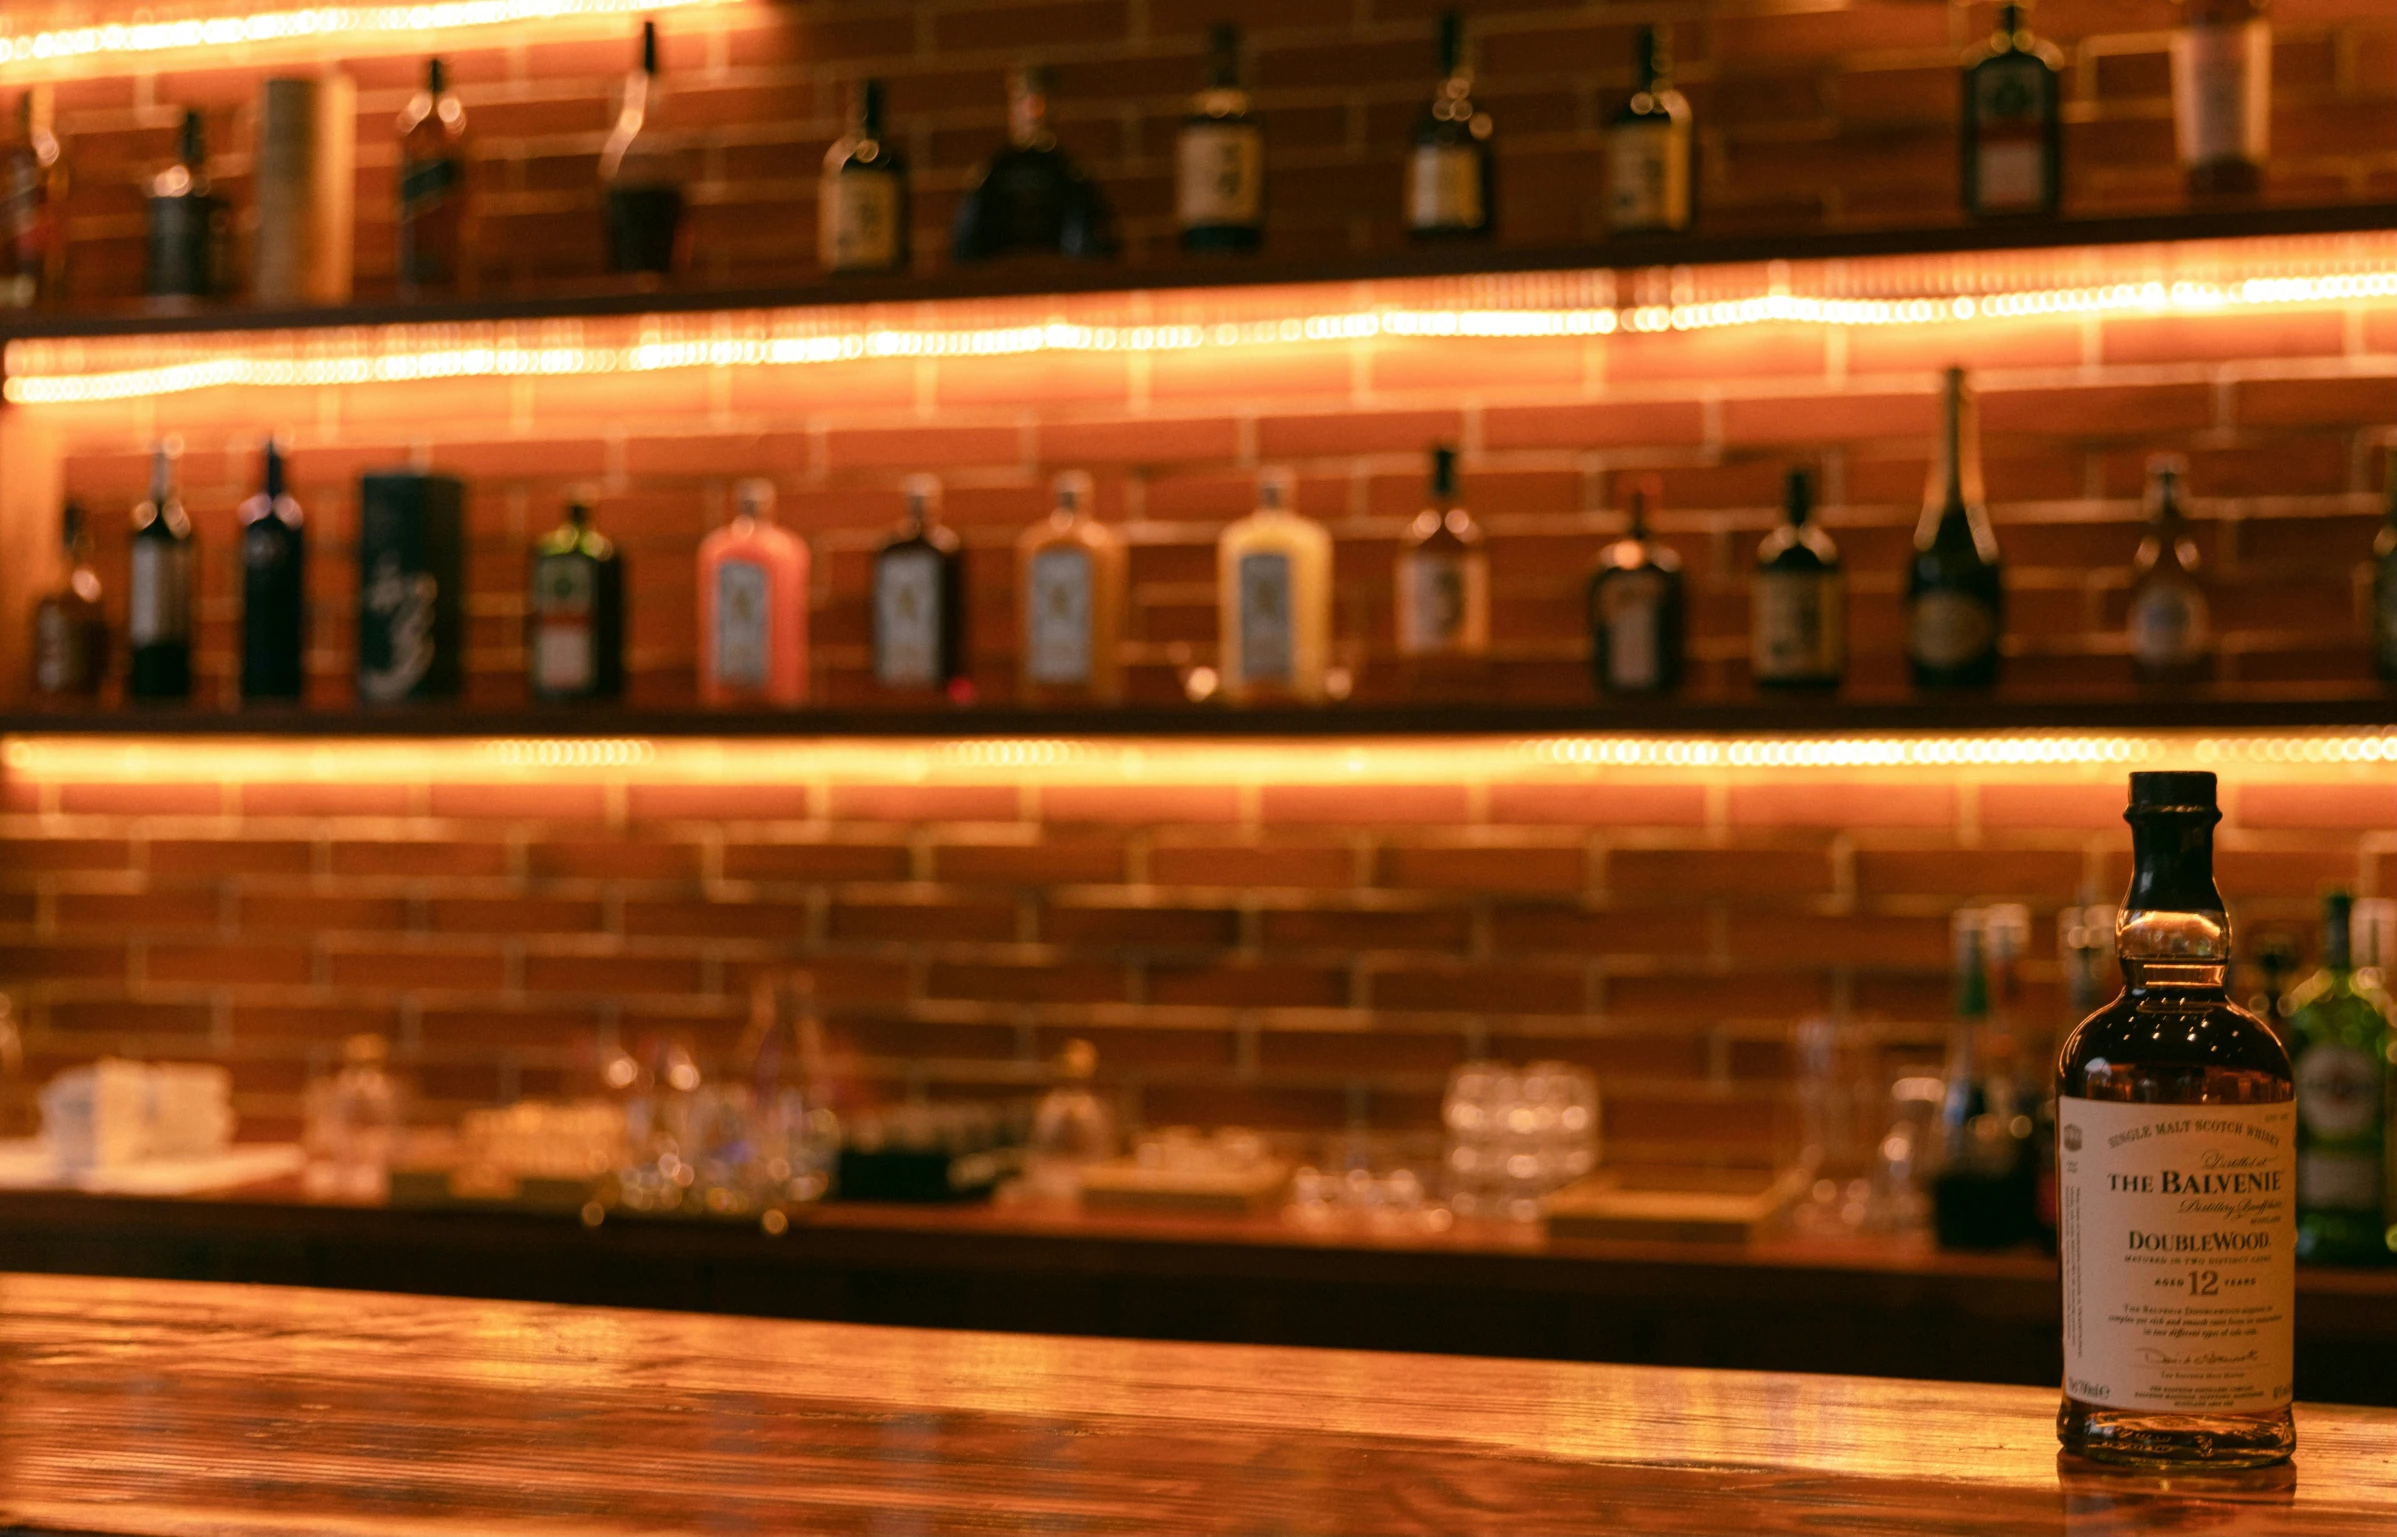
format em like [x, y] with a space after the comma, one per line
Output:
[154, 1408]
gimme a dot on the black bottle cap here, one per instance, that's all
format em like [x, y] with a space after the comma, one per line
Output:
[194, 143]
[1797, 495]
[1223, 54]
[649, 48]
[1452, 42]
[1444, 470]
[273, 476]
[2175, 790]
[70, 524]
[869, 108]
[436, 78]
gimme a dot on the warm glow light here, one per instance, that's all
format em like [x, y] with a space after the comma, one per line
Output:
[345, 23]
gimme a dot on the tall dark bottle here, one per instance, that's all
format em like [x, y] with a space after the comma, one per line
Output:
[1798, 633]
[1219, 160]
[2384, 588]
[33, 186]
[1031, 198]
[434, 236]
[274, 589]
[2339, 1035]
[2013, 122]
[2176, 1177]
[1955, 588]
[187, 222]
[861, 196]
[574, 620]
[644, 185]
[1635, 608]
[158, 596]
[1651, 150]
[919, 602]
[1450, 186]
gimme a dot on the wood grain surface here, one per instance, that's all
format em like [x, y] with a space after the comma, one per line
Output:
[144, 1407]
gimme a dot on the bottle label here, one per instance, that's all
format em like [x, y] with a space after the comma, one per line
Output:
[857, 226]
[1801, 625]
[56, 668]
[2168, 624]
[2178, 1234]
[1219, 175]
[565, 651]
[1949, 629]
[1631, 609]
[427, 184]
[907, 619]
[2338, 1181]
[1267, 645]
[744, 619]
[2222, 91]
[2338, 1090]
[1057, 618]
[2009, 142]
[1444, 189]
[158, 602]
[1434, 597]
[1648, 176]
[395, 652]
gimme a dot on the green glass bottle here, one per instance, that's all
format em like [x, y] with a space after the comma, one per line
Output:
[2339, 1044]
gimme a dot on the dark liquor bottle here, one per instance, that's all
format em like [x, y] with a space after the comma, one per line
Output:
[33, 186]
[1651, 150]
[274, 589]
[574, 643]
[1031, 198]
[2177, 1176]
[2338, 1038]
[70, 629]
[1798, 635]
[644, 185]
[2013, 138]
[919, 602]
[411, 587]
[158, 597]
[1219, 161]
[188, 224]
[1955, 588]
[2384, 587]
[2168, 621]
[2222, 96]
[861, 197]
[1443, 573]
[1635, 608]
[1450, 188]
[433, 244]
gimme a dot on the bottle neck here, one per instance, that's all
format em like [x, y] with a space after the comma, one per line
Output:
[2173, 932]
[2338, 947]
[1655, 63]
[1027, 114]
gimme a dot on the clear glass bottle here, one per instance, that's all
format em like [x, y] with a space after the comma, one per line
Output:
[435, 235]
[33, 190]
[2339, 1036]
[1651, 149]
[1636, 607]
[1798, 632]
[158, 595]
[861, 196]
[2013, 122]
[753, 580]
[70, 628]
[274, 589]
[643, 182]
[187, 223]
[2169, 637]
[2222, 96]
[574, 615]
[1072, 1128]
[1032, 198]
[919, 601]
[1071, 576]
[1443, 573]
[1219, 159]
[1955, 586]
[1274, 599]
[2384, 587]
[1450, 187]
[2177, 1174]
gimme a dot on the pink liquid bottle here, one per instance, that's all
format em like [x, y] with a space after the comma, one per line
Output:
[753, 607]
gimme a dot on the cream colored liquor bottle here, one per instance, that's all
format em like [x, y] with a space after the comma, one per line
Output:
[1071, 573]
[1274, 590]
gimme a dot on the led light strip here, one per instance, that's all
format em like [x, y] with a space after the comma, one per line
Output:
[327, 21]
[34, 380]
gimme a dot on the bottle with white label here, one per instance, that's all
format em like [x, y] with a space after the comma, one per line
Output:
[2013, 125]
[158, 597]
[574, 619]
[861, 197]
[2339, 1032]
[1955, 586]
[1443, 573]
[1798, 634]
[1635, 607]
[1072, 586]
[1450, 191]
[919, 601]
[2168, 623]
[753, 606]
[1219, 161]
[2176, 1128]
[1651, 150]
[1274, 599]
[2222, 96]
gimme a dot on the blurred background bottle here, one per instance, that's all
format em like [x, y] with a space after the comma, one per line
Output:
[2338, 1038]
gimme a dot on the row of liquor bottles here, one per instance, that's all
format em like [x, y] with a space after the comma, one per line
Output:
[1274, 585]
[1031, 197]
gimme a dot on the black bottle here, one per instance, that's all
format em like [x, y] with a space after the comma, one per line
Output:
[574, 620]
[1450, 189]
[1031, 198]
[1635, 608]
[1955, 588]
[158, 596]
[188, 225]
[1219, 160]
[644, 190]
[274, 590]
[1798, 632]
[919, 602]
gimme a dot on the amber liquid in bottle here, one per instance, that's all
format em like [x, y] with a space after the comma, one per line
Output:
[1070, 570]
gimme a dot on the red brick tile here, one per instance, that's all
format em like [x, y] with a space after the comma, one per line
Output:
[1811, 419]
[133, 800]
[1576, 931]
[341, 799]
[1139, 803]
[605, 975]
[2055, 805]
[1288, 865]
[28, 856]
[815, 861]
[1799, 803]
[917, 1040]
[60, 962]
[1719, 872]
[717, 802]
[1479, 990]
[778, 921]
[513, 915]
[2313, 402]
[1599, 805]
[1058, 983]
[1268, 985]
[1870, 940]
[1485, 869]
[1398, 805]
[916, 448]
[418, 968]
[1134, 1050]
[1352, 929]
[1360, 1052]
[482, 1029]
[144, 911]
[324, 1028]
[418, 859]
[947, 920]
[2190, 338]
[1140, 441]
[2342, 807]
[230, 965]
[1780, 995]
[521, 802]
[923, 803]
[1030, 863]
[94, 1017]
[1140, 928]
[230, 856]
[1355, 432]
[1968, 874]
[622, 859]
[2100, 410]
[279, 913]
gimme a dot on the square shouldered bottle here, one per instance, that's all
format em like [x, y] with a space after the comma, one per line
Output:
[1798, 632]
[2012, 141]
[753, 606]
[434, 227]
[2222, 96]
[919, 601]
[1442, 573]
[1273, 573]
[861, 196]
[1219, 158]
[1636, 607]
[1651, 149]
[2176, 1125]
[1451, 190]
[1031, 198]
[2384, 585]
[1071, 569]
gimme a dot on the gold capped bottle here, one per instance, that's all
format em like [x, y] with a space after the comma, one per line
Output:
[1274, 595]
[1071, 572]
[574, 641]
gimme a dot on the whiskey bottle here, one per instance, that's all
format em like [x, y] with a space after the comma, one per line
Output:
[187, 224]
[70, 628]
[158, 596]
[919, 601]
[1031, 198]
[411, 587]
[2222, 96]
[274, 589]
[1274, 599]
[574, 645]
[2013, 124]
[1443, 573]
[1650, 150]
[1955, 590]
[2338, 1039]
[1798, 634]
[1450, 189]
[861, 197]
[644, 185]
[1635, 607]
[2177, 1175]
[434, 242]
[2384, 587]
[753, 606]
[2168, 628]
[33, 186]
[1219, 160]
[1072, 581]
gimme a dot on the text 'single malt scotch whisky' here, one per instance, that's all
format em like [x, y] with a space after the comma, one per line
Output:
[2176, 1129]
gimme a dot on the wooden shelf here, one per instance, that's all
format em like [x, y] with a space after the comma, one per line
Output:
[1034, 279]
